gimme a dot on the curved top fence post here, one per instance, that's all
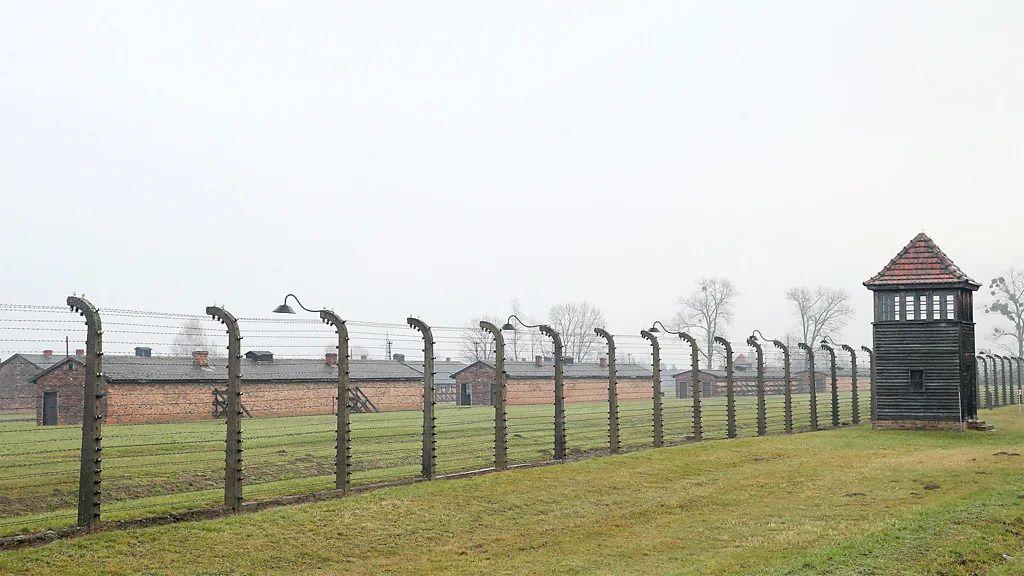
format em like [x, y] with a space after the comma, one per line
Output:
[762, 407]
[787, 376]
[812, 378]
[91, 469]
[429, 436]
[343, 443]
[988, 392]
[730, 388]
[698, 425]
[835, 388]
[853, 382]
[233, 479]
[556, 339]
[871, 375]
[613, 393]
[659, 435]
[498, 393]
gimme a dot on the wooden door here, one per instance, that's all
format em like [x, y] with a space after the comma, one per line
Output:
[49, 408]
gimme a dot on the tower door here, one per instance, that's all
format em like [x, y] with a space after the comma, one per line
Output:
[49, 408]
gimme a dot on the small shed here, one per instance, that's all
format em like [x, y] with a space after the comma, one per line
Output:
[923, 331]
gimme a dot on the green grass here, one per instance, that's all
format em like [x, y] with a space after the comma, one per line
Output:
[848, 501]
[157, 468]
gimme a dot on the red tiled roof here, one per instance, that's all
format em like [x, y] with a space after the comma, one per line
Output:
[920, 262]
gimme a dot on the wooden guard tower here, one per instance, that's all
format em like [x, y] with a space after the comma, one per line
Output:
[925, 372]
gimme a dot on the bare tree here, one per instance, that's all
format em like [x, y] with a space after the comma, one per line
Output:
[476, 343]
[821, 311]
[192, 337]
[575, 322]
[1008, 291]
[709, 309]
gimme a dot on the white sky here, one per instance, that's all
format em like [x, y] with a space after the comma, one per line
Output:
[442, 158]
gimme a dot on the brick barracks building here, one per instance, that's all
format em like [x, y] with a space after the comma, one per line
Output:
[17, 392]
[534, 382]
[151, 389]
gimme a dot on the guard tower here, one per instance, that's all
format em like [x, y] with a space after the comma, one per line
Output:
[923, 333]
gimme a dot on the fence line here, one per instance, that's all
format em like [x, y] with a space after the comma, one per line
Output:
[148, 447]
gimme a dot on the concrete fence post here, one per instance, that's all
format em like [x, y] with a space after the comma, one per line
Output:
[762, 412]
[871, 385]
[343, 442]
[698, 424]
[1013, 386]
[613, 392]
[659, 435]
[90, 475]
[233, 478]
[835, 384]
[1002, 371]
[730, 388]
[984, 380]
[1020, 379]
[853, 382]
[498, 393]
[428, 454]
[556, 339]
[812, 378]
[787, 375]
[993, 379]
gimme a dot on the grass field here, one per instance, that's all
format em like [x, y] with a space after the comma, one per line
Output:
[151, 469]
[848, 501]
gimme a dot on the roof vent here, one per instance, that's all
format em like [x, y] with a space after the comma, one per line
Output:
[143, 351]
[260, 356]
[399, 357]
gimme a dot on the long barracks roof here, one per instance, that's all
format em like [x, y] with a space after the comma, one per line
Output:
[521, 369]
[769, 374]
[168, 369]
[40, 361]
[921, 263]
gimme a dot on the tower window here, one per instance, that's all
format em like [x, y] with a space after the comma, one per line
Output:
[889, 311]
[917, 380]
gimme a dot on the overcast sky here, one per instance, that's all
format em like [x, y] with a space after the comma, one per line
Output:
[442, 158]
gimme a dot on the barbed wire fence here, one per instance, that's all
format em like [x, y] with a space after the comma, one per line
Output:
[38, 465]
[193, 415]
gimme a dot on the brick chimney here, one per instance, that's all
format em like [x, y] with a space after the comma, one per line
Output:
[47, 353]
[201, 358]
[603, 361]
[80, 352]
[538, 360]
[331, 358]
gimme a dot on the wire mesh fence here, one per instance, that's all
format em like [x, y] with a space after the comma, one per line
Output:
[323, 407]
